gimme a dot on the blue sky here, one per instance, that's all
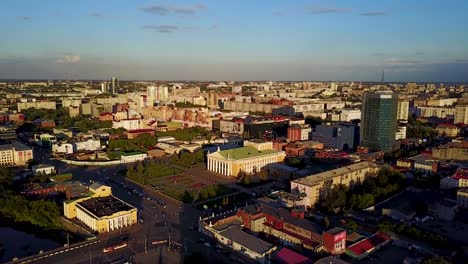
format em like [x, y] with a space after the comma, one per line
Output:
[413, 40]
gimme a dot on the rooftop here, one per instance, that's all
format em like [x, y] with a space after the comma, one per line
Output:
[367, 245]
[317, 178]
[335, 230]
[16, 145]
[287, 256]
[105, 206]
[246, 240]
[331, 260]
[244, 152]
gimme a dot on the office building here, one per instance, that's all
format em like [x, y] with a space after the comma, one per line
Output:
[379, 120]
[343, 136]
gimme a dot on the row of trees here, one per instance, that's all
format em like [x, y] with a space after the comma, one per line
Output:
[62, 119]
[142, 171]
[186, 134]
[206, 193]
[365, 194]
[188, 159]
[141, 143]
[42, 213]
[411, 231]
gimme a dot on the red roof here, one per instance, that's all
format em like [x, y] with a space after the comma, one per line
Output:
[288, 256]
[460, 175]
[368, 244]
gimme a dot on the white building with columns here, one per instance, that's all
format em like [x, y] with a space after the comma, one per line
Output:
[105, 214]
[247, 159]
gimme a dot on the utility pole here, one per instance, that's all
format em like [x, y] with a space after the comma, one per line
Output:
[68, 240]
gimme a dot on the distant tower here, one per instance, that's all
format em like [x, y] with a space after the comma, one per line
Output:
[113, 85]
[383, 76]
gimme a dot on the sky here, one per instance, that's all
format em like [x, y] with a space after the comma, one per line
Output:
[411, 40]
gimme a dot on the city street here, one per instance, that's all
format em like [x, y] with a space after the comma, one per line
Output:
[160, 218]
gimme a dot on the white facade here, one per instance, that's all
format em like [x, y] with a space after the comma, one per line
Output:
[134, 157]
[89, 144]
[350, 114]
[440, 112]
[128, 124]
[403, 109]
[400, 133]
[168, 148]
[43, 169]
[66, 148]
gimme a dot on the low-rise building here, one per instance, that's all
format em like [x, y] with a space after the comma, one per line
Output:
[462, 197]
[43, 169]
[169, 148]
[247, 244]
[425, 163]
[451, 151]
[86, 144]
[334, 240]
[365, 247]
[299, 132]
[139, 132]
[457, 180]
[128, 124]
[133, 156]
[61, 147]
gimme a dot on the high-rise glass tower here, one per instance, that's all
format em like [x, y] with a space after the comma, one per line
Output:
[379, 120]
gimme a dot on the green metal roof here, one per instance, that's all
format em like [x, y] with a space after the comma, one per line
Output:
[245, 152]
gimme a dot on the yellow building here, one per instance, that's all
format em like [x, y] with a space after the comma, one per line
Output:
[104, 214]
[95, 190]
[462, 197]
[451, 151]
[254, 157]
[99, 210]
[315, 185]
[448, 130]
[15, 154]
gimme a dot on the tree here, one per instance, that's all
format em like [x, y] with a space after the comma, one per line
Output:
[352, 226]
[326, 222]
[5, 176]
[435, 260]
[247, 179]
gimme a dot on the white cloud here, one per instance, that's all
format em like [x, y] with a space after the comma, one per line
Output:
[69, 59]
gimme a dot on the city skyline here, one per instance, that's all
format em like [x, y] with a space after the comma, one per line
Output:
[235, 40]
